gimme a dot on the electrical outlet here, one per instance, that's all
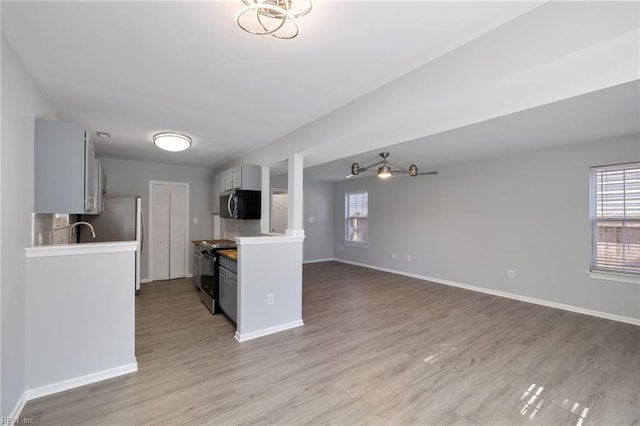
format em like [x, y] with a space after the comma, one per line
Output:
[393, 255]
[270, 299]
[511, 274]
[408, 258]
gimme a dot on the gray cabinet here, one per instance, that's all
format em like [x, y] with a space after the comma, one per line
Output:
[228, 287]
[217, 188]
[101, 186]
[232, 285]
[243, 177]
[66, 171]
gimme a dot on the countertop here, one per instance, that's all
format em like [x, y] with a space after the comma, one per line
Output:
[81, 249]
[229, 254]
[198, 242]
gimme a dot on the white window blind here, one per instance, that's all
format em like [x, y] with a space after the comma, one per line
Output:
[615, 219]
[356, 212]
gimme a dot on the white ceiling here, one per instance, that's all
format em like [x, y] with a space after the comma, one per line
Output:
[137, 68]
[608, 113]
[134, 69]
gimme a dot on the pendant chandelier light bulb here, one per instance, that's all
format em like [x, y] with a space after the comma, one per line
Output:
[277, 18]
[384, 171]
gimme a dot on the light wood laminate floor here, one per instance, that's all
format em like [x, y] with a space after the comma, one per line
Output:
[376, 348]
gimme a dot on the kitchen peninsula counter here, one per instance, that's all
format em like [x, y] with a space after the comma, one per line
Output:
[269, 281]
[80, 320]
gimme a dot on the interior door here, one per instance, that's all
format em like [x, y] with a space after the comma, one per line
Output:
[279, 203]
[161, 220]
[178, 232]
[169, 230]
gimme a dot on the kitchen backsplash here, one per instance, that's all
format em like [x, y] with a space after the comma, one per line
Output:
[241, 228]
[51, 229]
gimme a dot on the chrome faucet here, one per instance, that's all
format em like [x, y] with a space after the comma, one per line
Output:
[72, 227]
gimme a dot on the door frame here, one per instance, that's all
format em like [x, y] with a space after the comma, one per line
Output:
[186, 240]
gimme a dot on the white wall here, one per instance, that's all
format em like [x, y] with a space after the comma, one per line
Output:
[474, 221]
[80, 324]
[21, 102]
[268, 266]
[318, 204]
[132, 178]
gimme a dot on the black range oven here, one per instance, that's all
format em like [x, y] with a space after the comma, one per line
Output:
[209, 274]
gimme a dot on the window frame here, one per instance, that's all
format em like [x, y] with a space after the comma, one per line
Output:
[347, 241]
[596, 271]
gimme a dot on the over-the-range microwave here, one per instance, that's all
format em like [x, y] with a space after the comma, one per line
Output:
[241, 204]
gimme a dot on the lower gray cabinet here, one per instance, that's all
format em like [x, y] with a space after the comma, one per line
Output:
[232, 282]
[228, 288]
[223, 290]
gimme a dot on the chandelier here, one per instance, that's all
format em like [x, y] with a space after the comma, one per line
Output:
[277, 18]
[386, 168]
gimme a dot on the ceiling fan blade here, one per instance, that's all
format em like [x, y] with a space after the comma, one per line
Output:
[419, 174]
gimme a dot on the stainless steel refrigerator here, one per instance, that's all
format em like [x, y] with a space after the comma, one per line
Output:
[121, 220]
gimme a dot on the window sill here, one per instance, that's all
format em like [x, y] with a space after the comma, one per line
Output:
[614, 277]
[354, 244]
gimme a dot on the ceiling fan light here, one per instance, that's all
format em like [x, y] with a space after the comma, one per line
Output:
[173, 142]
[384, 171]
[355, 168]
[413, 170]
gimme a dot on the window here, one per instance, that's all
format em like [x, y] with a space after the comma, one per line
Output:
[60, 220]
[615, 219]
[356, 211]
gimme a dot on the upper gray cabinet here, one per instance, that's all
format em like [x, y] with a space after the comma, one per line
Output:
[217, 188]
[240, 177]
[66, 170]
[243, 177]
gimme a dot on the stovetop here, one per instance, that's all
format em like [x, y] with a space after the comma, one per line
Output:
[218, 244]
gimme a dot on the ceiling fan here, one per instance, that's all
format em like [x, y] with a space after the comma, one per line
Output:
[387, 168]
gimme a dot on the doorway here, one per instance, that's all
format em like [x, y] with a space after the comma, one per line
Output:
[279, 210]
[168, 230]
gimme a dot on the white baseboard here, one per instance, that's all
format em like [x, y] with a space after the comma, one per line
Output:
[148, 280]
[266, 331]
[542, 302]
[329, 259]
[81, 381]
[17, 409]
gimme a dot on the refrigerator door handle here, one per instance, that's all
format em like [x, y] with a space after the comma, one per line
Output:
[142, 233]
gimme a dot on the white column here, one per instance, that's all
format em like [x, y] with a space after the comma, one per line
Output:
[294, 208]
[265, 217]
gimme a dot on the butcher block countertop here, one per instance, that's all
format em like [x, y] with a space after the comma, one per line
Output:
[229, 253]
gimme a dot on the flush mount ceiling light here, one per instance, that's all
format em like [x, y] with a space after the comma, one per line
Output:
[173, 142]
[277, 18]
[387, 169]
